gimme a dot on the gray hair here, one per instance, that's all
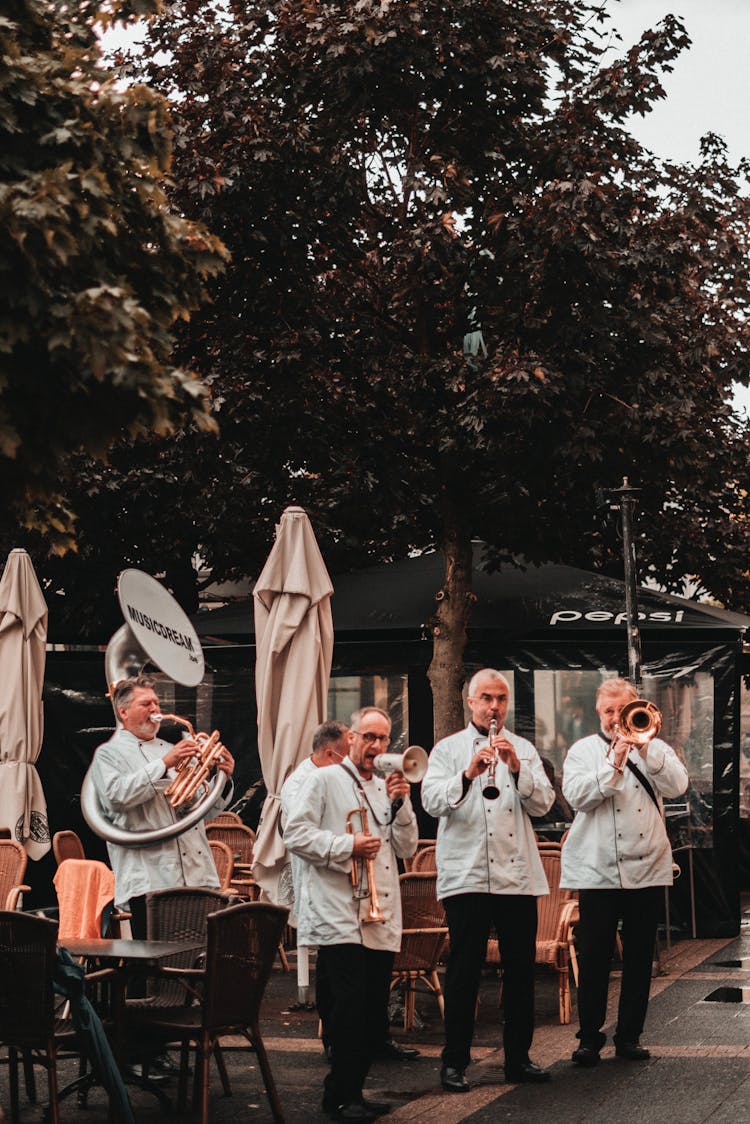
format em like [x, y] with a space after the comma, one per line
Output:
[122, 692]
[365, 710]
[327, 733]
[615, 687]
[489, 673]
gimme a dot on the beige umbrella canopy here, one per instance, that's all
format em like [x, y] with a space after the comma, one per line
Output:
[294, 647]
[23, 637]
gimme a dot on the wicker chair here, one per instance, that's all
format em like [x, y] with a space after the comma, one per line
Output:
[421, 845]
[67, 845]
[226, 818]
[557, 913]
[28, 1020]
[179, 915]
[424, 860]
[224, 863]
[422, 942]
[13, 860]
[242, 943]
[240, 840]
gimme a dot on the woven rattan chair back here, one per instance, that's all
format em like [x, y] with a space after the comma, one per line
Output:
[13, 860]
[224, 863]
[423, 940]
[225, 818]
[424, 861]
[67, 845]
[28, 954]
[179, 915]
[242, 944]
[239, 839]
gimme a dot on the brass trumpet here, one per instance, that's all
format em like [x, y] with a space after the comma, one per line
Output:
[193, 771]
[363, 870]
[639, 722]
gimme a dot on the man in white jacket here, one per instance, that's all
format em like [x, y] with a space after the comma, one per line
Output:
[130, 773]
[618, 856]
[355, 953]
[489, 873]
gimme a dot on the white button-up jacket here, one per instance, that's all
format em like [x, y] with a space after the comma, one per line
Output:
[618, 839]
[486, 846]
[315, 831]
[129, 778]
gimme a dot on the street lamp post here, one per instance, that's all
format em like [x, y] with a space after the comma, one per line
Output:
[627, 501]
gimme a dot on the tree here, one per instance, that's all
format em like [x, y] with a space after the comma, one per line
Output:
[95, 268]
[463, 301]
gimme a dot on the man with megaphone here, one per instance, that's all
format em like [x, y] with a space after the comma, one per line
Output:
[351, 826]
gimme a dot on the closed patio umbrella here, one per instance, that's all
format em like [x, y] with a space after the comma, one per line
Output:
[23, 637]
[294, 648]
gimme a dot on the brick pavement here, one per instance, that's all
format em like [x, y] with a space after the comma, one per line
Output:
[699, 1070]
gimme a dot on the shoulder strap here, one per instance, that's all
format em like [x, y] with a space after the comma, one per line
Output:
[646, 784]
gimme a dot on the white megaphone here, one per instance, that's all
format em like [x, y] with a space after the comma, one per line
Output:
[412, 763]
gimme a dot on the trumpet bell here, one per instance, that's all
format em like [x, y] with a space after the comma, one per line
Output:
[412, 763]
[639, 722]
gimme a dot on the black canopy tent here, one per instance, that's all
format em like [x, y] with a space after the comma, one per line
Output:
[395, 602]
[549, 625]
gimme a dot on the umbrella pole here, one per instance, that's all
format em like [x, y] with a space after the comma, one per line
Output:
[303, 975]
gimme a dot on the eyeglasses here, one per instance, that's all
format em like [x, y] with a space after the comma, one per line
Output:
[336, 753]
[371, 739]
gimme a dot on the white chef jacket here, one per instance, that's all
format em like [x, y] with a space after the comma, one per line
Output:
[291, 786]
[129, 778]
[327, 913]
[486, 846]
[618, 839]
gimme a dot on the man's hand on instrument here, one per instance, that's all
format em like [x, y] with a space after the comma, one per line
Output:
[619, 752]
[365, 846]
[479, 763]
[183, 751]
[506, 752]
[225, 761]
[396, 786]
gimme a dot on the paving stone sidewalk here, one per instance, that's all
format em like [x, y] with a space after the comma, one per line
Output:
[699, 1070]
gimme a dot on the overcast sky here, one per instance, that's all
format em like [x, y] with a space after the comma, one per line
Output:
[709, 88]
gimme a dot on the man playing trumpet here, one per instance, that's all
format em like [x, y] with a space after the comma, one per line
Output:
[617, 855]
[356, 928]
[130, 773]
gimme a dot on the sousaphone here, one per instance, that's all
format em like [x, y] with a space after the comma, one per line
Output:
[157, 631]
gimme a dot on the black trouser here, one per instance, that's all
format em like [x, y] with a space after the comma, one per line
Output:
[356, 981]
[137, 911]
[469, 919]
[595, 940]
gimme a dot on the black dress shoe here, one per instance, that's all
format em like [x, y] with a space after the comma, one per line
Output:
[453, 1080]
[136, 1071]
[382, 1108]
[632, 1052]
[394, 1052]
[528, 1072]
[354, 1111]
[586, 1056]
[162, 1063]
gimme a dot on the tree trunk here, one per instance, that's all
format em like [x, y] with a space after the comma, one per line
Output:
[454, 601]
[182, 580]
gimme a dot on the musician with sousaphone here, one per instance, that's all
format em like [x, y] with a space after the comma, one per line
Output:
[618, 856]
[144, 795]
[350, 826]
